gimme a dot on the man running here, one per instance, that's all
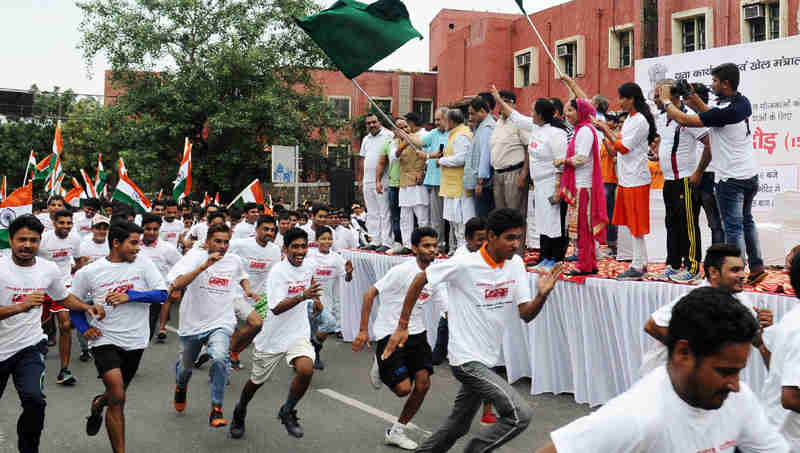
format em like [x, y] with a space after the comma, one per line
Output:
[408, 370]
[172, 226]
[284, 223]
[54, 204]
[247, 228]
[319, 218]
[330, 268]
[25, 281]
[164, 255]
[92, 248]
[82, 219]
[61, 245]
[286, 332]
[126, 285]
[692, 403]
[210, 277]
[259, 255]
[483, 289]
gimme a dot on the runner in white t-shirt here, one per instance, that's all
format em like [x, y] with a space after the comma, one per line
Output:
[695, 403]
[164, 255]
[27, 284]
[486, 291]
[247, 228]
[210, 276]
[127, 285]
[61, 245]
[259, 255]
[286, 332]
[330, 268]
[94, 246]
[82, 220]
[54, 204]
[724, 270]
[172, 226]
[408, 370]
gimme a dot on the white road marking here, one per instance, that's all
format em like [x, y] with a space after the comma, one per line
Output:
[367, 408]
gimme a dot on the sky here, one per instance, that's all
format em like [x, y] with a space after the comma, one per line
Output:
[40, 39]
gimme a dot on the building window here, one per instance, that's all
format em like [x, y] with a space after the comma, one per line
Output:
[620, 46]
[762, 21]
[424, 108]
[342, 106]
[570, 55]
[692, 30]
[339, 156]
[385, 104]
[526, 67]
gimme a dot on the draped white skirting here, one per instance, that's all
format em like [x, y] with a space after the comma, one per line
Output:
[588, 339]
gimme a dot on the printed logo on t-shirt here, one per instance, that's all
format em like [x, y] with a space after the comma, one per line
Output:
[495, 295]
[424, 295]
[86, 228]
[218, 281]
[725, 446]
[56, 254]
[296, 289]
[172, 235]
[18, 298]
[324, 272]
[260, 265]
[533, 145]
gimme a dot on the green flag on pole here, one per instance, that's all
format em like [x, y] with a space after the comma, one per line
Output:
[519, 2]
[356, 36]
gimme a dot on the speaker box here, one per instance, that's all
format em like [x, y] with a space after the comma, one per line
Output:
[342, 188]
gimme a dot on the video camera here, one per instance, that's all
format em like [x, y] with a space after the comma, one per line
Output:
[683, 88]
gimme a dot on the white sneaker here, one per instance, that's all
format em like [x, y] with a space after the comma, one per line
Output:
[396, 436]
[375, 375]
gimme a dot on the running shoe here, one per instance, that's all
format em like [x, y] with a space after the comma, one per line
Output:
[162, 337]
[85, 356]
[291, 421]
[237, 423]
[632, 274]
[684, 276]
[666, 276]
[65, 377]
[396, 435]
[318, 363]
[235, 363]
[201, 359]
[180, 398]
[215, 418]
[95, 419]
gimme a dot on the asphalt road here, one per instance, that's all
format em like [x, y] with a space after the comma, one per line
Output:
[337, 413]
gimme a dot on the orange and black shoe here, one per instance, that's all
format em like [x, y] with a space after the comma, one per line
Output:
[215, 419]
[180, 398]
[235, 363]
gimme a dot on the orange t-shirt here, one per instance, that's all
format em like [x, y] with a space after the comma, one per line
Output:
[607, 165]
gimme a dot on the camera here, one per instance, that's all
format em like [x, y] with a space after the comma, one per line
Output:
[681, 88]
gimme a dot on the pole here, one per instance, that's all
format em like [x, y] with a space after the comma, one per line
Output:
[544, 46]
[296, 177]
[385, 117]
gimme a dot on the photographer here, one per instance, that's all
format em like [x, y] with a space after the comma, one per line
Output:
[736, 168]
[677, 158]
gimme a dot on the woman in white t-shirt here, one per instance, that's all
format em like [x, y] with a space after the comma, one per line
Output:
[582, 186]
[632, 208]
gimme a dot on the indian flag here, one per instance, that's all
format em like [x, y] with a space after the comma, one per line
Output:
[216, 197]
[3, 190]
[129, 193]
[55, 162]
[183, 182]
[123, 170]
[100, 178]
[30, 169]
[43, 168]
[90, 190]
[73, 197]
[206, 200]
[20, 202]
[251, 193]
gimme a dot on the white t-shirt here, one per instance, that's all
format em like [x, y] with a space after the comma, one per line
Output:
[784, 371]
[344, 238]
[282, 330]
[657, 356]
[731, 145]
[392, 290]
[686, 153]
[371, 150]
[199, 230]
[329, 271]
[92, 250]
[126, 325]
[60, 251]
[651, 417]
[81, 224]
[278, 240]
[312, 234]
[632, 168]
[171, 231]
[256, 259]
[244, 230]
[583, 147]
[16, 282]
[44, 217]
[482, 300]
[547, 144]
[163, 254]
[208, 301]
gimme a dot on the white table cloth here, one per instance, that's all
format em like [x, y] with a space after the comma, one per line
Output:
[588, 339]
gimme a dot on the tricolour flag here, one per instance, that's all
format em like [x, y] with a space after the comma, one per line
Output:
[55, 162]
[123, 170]
[252, 193]
[206, 200]
[57, 187]
[129, 193]
[3, 190]
[100, 178]
[216, 199]
[183, 182]
[340, 31]
[43, 168]
[73, 197]
[30, 169]
[90, 190]
[20, 202]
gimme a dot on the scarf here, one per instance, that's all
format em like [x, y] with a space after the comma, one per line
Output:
[599, 216]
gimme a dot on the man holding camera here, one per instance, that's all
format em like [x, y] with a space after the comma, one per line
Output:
[737, 170]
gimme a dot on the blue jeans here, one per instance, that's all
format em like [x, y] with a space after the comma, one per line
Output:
[218, 342]
[611, 198]
[710, 206]
[394, 210]
[26, 368]
[735, 198]
[321, 322]
[484, 204]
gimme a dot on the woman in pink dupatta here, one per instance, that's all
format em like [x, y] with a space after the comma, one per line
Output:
[582, 187]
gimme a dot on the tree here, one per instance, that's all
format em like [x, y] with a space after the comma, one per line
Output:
[231, 76]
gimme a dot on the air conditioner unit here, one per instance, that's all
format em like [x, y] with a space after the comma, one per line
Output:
[524, 59]
[564, 50]
[753, 12]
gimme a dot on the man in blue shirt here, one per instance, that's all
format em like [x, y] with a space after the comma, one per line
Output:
[481, 181]
[435, 141]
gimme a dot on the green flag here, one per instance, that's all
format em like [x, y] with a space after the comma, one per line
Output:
[356, 36]
[519, 2]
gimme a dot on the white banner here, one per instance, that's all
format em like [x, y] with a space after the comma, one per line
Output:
[283, 165]
[769, 73]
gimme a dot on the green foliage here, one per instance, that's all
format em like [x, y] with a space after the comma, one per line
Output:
[231, 76]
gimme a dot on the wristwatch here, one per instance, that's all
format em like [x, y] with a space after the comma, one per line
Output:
[667, 104]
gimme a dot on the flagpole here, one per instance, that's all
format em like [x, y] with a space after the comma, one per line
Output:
[544, 46]
[385, 117]
[25, 179]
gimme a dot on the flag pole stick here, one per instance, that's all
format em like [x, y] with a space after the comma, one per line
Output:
[385, 117]
[547, 51]
[25, 179]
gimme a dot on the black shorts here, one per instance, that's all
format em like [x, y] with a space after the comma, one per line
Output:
[406, 361]
[108, 357]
